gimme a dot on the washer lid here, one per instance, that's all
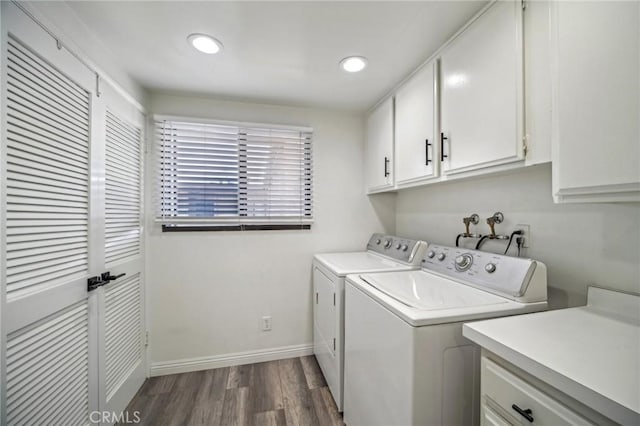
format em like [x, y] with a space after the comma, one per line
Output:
[439, 300]
[430, 292]
[360, 262]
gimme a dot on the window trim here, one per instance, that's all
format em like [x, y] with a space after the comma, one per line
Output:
[186, 224]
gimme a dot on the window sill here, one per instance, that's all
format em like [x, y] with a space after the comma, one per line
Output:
[242, 227]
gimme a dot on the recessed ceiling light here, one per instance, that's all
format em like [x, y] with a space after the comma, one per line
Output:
[205, 43]
[353, 63]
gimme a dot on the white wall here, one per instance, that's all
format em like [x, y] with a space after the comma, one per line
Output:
[581, 244]
[62, 20]
[209, 290]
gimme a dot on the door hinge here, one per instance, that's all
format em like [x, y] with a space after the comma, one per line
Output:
[334, 299]
[524, 4]
[334, 343]
[525, 146]
[146, 338]
[98, 85]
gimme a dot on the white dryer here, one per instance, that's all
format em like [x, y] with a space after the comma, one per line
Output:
[383, 253]
[406, 361]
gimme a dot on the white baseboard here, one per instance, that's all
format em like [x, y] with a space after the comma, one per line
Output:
[239, 358]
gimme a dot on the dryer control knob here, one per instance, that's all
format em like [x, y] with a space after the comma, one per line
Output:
[405, 247]
[378, 241]
[431, 254]
[387, 244]
[490, 268]
[441, 256]
[398, 246]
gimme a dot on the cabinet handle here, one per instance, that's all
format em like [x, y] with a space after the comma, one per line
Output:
[442, 139]
[524, 413]
[426, 151]
[386, 166]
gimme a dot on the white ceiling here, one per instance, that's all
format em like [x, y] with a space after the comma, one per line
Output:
[275, 52]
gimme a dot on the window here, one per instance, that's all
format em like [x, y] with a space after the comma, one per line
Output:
[233, 176]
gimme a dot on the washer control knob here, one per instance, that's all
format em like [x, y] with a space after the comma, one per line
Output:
[405, 247]
[398, 246]
[378, 241]
[464, 262]
[387, 244]
[431, 254]
[441, 256]
[490, 268]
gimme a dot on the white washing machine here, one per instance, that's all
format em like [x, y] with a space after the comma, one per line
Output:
[406, 361]
[383, 253]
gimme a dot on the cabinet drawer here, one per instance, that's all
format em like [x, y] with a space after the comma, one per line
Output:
[507, 390]
[491, 418]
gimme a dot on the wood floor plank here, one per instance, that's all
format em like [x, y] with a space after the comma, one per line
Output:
[148, 408]
[269, 418]
[239, 376]
[285, 392]
[209, 400]
[312, 372]
[298, 405]
[236, 410]
[181, 401]
[266, 389]
[325, 407]
[159, 385]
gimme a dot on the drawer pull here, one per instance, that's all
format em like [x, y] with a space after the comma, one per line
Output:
[524, 413]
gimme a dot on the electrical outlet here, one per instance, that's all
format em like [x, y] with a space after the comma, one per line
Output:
[526, 229]
[266, 323]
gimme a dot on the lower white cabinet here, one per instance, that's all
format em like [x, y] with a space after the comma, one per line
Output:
[596, 101]
[509, 400]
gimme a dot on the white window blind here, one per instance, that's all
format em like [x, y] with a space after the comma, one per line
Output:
[225, 174]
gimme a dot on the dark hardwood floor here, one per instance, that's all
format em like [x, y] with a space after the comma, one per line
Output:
[285, 392]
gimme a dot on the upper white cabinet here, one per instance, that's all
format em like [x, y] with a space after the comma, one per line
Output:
[482, 85]
[379, 148]
[596, 101]
[415, 128]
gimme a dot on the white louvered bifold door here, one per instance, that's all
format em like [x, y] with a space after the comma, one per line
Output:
[121, 335]
[47, 101]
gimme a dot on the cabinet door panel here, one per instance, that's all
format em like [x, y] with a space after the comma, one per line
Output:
[379, 147]
[415, 140]
[596, 147]
[482, 91]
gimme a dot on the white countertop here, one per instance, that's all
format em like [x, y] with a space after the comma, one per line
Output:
[591, 353]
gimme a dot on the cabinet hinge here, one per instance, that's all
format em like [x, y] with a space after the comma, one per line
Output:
[334, 343]
[525, 146]
[146, 338]
[524, 4]
[334, 299]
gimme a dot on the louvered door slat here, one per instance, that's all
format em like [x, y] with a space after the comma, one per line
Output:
[43, 243]
[123, 340]
[42, 124]
[122, 195]
[32, 136]
[50, 76]
[46, 364]
[47, 171]
[31, 104]
[35, 145]
[35, 161]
